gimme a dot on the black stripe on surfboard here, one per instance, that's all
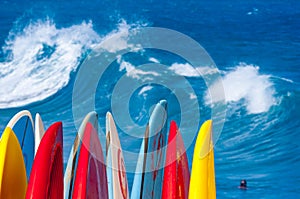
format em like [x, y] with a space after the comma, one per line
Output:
[74, 161]
[23, 138]
[145, 158]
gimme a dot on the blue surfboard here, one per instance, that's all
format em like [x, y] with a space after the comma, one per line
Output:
[22, 125]
[148, 178]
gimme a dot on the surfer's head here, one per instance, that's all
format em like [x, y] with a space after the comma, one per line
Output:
[243, 184]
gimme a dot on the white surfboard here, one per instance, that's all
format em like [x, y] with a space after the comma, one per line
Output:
[39, 131]
[115, 166]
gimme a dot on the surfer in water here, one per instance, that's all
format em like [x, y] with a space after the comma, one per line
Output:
[243, 184]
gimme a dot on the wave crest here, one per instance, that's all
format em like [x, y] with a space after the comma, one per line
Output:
[245, 83]
[39, 60]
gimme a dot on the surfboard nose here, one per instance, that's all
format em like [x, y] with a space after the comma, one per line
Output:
[163, 103]
[158, 118]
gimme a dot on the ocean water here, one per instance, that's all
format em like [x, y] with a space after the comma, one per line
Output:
[254, 45]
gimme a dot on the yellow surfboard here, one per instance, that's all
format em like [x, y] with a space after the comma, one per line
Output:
[13, 181]
[202, 182]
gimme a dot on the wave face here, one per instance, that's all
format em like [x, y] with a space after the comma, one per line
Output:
[41, 58]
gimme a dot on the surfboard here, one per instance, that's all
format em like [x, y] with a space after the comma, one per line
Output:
[116, 172]
[149, 171]
[39, 131]
[13, 181]
[136, 191]
[90, 178]
[176, 174]
[46, 178]
[22, 125]
[202, 182]
[70, 171]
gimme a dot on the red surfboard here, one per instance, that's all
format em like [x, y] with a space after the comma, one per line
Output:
[90, 179]
[176, 174]
[46, 177]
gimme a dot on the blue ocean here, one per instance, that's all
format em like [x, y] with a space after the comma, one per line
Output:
[253, 46]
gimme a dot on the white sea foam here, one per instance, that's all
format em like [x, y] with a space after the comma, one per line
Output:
[119, 38]
[245, 82]
[283, 79]
[136, 73]
[40, 60]
[145, 89]
[188, 70]
[184, 70]
[41, 57]
[154, 60]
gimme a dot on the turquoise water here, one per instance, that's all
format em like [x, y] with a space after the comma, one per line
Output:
[255, 46]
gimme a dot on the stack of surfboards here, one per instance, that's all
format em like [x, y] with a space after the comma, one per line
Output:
[85, 175]
[31, 161]
[18, 145]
